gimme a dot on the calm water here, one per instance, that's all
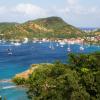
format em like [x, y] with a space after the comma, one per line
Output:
[25, 55]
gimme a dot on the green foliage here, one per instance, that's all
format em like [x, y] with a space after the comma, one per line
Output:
[59, 28]
[84, 70]
[19, 81]
[90, 61]
[78, 80]
[56, 82]
[88, 66]
[97, 79]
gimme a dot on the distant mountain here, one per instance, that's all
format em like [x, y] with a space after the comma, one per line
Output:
[87, 28]
[44, 27]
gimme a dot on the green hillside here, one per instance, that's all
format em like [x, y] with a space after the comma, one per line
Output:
[39, 28]
[97, 32]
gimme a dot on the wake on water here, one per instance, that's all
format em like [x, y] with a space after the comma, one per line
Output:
[8, 87]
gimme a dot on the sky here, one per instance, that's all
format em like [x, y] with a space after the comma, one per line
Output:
[80, 13]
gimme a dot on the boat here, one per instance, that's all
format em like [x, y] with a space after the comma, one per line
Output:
[81, 48]
[57, 44]
[9, 53]
[62, 43]
[12, 43]
[17, 44]
[34, 41]
[62, 46]
[68, 49]
[25, 40]
[51, 46]
[40, 42]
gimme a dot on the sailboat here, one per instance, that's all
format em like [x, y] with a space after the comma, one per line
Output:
[57, 44]
[62, 44]
[9, 51]
[68, 49]
[81, 47]
[51, 46]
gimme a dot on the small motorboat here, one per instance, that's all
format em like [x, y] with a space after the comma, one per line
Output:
[9, 53]
[68, 49]
[81, 48]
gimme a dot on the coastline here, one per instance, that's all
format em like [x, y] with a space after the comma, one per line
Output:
[59, 40]
[29, 71]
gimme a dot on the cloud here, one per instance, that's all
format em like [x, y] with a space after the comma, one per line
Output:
[72, 11]
[76, 7]
[22, 12]
[29, 10]
[72, 2]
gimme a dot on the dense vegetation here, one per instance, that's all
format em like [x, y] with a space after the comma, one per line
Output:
[77, 80]
[40, 28]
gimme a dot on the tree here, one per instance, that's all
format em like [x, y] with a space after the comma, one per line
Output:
[77, 80]
[56, 82]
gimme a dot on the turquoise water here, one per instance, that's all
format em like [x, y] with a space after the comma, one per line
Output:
[25, 55]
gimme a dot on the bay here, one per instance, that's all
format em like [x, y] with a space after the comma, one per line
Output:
[31, 53]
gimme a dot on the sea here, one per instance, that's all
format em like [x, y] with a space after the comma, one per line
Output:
[15, 59]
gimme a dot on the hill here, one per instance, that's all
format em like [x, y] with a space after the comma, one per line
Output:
[39, 28]
[97, 32]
